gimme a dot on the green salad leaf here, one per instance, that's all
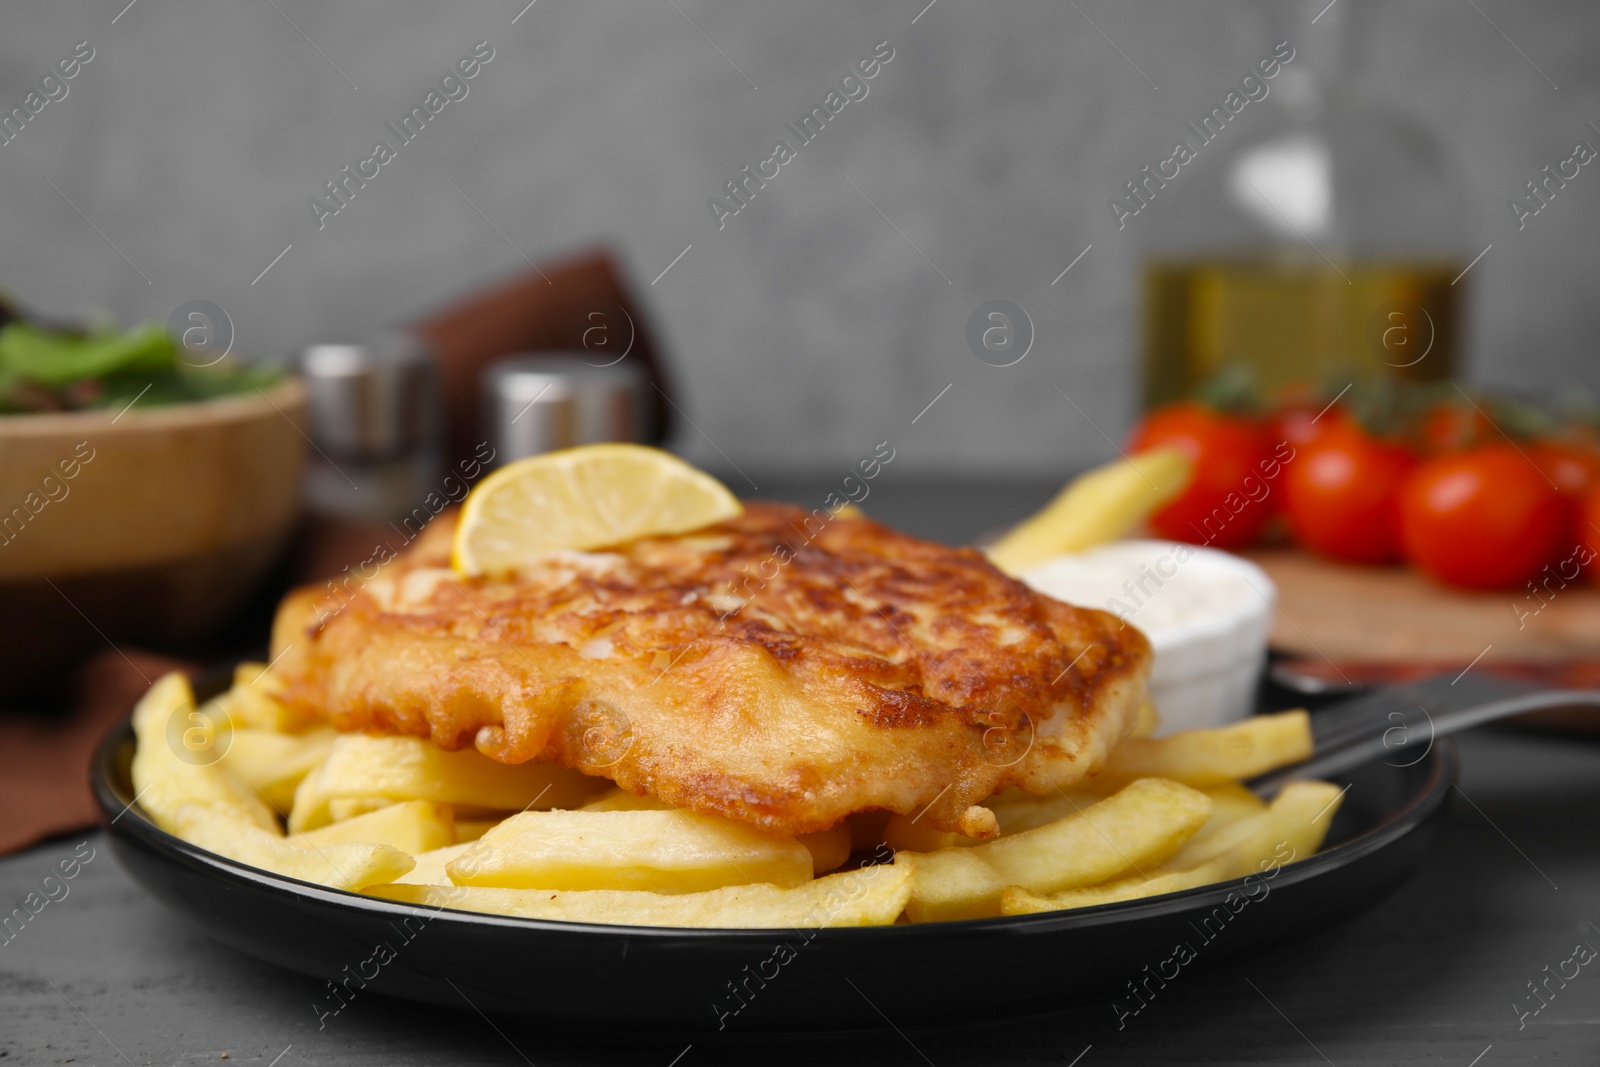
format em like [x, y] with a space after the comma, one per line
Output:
[57, 359]
[45, 369]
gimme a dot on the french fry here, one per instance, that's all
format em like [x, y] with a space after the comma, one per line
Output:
[402, 819]
[1301, 816]
[908, 833]
[871, 896]
[1205, 758]
[1142, 824]
[430, 866]
[412, 826]
[659, 851]
[164, 782]
[472, 829]
[342, 808]
[203, 804]
[1230, 802]
[254, 703]
[1096, 507]
[274, 763]
[1147, 720]
[411, 768]
[622, 800]
[1292, 827]
[829, 848]
[1017, 811]
[341, 865]
[1018, 901]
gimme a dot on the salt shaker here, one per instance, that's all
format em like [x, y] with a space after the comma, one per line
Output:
[375, 424]
[539, 404]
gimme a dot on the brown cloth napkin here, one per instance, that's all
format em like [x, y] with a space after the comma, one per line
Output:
[44, 763]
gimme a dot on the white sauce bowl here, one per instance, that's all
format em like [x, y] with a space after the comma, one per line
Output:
[1207, 614]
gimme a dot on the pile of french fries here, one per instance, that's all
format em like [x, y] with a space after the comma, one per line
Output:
[402, 819]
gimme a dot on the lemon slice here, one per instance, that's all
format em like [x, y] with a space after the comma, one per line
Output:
[583, 498]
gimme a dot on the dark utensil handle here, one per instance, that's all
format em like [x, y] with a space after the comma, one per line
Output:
[1369, 729]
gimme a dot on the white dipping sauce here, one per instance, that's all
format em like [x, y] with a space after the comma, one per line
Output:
[1207, 614]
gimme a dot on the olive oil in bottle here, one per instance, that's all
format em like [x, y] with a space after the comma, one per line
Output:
[1292, 321]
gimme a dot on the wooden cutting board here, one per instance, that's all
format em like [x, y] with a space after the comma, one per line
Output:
[1389, 614]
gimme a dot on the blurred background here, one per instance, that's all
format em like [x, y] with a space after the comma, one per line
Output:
[826, 315]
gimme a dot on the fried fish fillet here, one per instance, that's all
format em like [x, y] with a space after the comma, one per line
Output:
[776, 668]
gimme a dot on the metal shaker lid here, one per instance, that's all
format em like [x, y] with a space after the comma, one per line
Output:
[373, 401]
[536, 404]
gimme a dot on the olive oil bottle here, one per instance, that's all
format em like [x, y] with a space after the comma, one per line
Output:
[1313, 234]
[1296, 321]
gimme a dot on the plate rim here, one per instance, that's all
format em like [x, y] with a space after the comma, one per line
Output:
[114, 807]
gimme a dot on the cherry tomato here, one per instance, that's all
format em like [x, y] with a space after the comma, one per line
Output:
[1573, 467]
[1486, 518]
[1452, 426]
[1589, 534]
[1343, 494]
[1226, 503]
[1302, 423]
[1296, 423]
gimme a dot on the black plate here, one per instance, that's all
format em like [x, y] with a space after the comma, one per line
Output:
[585, 974]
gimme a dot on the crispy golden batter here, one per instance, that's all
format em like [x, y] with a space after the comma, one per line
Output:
[775, 668]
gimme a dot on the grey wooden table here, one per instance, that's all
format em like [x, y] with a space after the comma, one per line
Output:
[1439, 973]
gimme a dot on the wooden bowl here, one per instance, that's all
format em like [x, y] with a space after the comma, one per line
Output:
[151, 525]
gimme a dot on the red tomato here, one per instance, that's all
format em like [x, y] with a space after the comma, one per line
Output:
[1297, 424]
[1225, 505]
[1451, 426]
[1574, 468]
[1484, 519]
[1343, 495]
[1300, 424]
[1589, 534]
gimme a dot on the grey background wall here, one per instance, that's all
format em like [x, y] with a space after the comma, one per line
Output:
[808, 328]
